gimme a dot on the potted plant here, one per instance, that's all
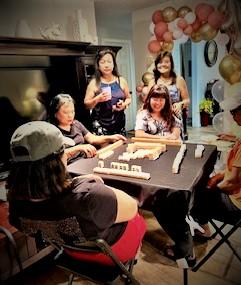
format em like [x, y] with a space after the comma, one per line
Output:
[206, 111]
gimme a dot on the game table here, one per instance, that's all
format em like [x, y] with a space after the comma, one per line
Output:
[193, 172]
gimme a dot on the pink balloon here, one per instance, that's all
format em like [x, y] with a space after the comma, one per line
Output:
[154, 46]
[196, 25]
[188, 30]
[139, 88]
[203, 10]
[160, 29]
[157, 17]
[216, 19]
[182, 23]
[167, 37]
[222, 39]
[145, 90]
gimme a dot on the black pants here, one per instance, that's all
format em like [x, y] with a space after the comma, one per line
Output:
[170, 209]
[214, 204]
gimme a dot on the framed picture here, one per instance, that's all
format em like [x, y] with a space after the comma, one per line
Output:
[210, 53]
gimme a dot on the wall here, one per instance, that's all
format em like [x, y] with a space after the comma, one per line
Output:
[43, 13]
[201, 74]
[117, 27]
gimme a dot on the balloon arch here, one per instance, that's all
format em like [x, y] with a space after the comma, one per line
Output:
[205, 22]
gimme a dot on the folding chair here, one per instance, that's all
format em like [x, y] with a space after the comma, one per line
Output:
[12, 251]
[52, 232]
[224, 239]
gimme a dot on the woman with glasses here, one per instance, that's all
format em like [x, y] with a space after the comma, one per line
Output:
[108, 96]
[156, 119]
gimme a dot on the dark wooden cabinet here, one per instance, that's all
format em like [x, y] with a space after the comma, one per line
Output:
[67, 66]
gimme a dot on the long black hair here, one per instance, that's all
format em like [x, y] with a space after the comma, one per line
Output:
[40, 179]
[158, 59]
[99, 56]
[161, 91]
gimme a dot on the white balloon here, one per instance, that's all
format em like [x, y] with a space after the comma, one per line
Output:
[222, 39]
[172, 26]
[218, 90]
[177, 34]
[190, 17]
[183, 39]
[152, 38]
[218, 122]
[151, 28]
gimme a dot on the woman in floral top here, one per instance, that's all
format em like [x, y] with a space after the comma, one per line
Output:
[156, 119]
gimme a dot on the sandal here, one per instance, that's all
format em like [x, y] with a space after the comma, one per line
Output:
[169, 252]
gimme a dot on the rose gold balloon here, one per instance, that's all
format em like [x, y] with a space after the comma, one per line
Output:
[196, 25]
[157, 17]
[139, 88]
[154, 46]
[188, 30]
[167, 46]
[215, 19]
[196, 37]
[207, 32]
[167, 37]
[182, 11]
[169, 14]
[160, 29]
[203, 10]
[230, 69]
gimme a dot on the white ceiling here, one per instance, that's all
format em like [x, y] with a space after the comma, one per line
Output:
[120, 7]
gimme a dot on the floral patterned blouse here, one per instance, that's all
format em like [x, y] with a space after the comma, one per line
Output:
[145, 122]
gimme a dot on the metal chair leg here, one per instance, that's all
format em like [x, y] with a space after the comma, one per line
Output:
[185, 276]
[71, 279]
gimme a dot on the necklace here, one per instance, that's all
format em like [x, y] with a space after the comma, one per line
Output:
[109, 80]
[165, 81]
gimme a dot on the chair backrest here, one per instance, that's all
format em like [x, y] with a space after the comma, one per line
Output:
[74, 250]
[57, 232]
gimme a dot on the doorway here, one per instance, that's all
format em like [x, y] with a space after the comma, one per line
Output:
[186, 72]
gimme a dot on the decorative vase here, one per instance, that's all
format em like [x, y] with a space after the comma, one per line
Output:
[204, 118]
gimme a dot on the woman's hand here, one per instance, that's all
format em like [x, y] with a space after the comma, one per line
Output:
[117, 137]
[170, 137]
[213, 181]
[177, 108]
[88, 149]
[119, 106]
[89, 176]
[103, 97]
[227, 137]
